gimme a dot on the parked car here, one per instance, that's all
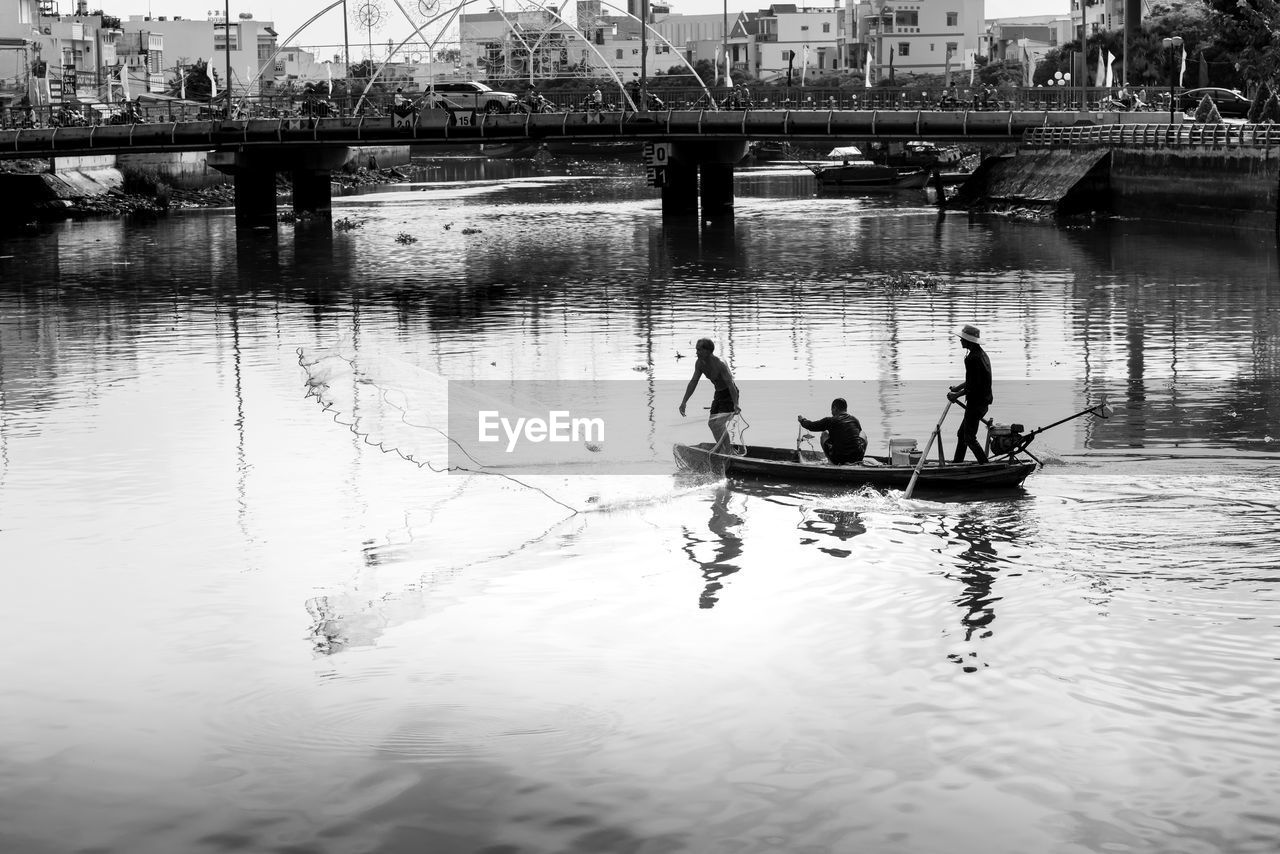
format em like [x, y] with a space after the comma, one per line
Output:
[1231, 104]
[468, 95]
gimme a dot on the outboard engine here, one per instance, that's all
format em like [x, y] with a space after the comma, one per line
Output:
[1004, 438]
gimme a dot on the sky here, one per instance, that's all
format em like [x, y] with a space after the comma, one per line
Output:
[288, 15]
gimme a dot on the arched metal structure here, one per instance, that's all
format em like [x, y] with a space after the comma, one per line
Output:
[453, 13]
[456, 10]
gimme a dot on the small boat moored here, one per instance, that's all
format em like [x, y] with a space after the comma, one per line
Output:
[850, 169]
[788, 464]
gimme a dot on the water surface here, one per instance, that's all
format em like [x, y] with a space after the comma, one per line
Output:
[242, 622]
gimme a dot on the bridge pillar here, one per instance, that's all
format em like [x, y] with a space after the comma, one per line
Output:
[716, 188]
[680, 193]
[255, 198]
[312, 192]
[254, 171]
[701, 168]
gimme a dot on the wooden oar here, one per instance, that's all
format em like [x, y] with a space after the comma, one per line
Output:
[937, 432]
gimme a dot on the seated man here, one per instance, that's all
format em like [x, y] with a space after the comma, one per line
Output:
[842, 439]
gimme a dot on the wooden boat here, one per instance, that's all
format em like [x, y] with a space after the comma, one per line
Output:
[850, 170]
[782, 464]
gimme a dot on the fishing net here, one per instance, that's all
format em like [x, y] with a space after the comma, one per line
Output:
[424, 418]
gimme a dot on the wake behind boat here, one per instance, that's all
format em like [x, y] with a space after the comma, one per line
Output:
[788, 464]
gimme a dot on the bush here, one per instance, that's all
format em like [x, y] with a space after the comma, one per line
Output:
[1207, 113]
[1260, 99]
[1271, 110]
[145, 183]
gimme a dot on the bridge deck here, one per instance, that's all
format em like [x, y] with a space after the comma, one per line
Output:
[441, 126]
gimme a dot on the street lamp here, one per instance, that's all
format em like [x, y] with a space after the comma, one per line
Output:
[1169, 45]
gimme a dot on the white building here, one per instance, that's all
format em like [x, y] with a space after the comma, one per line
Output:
[921, 37]
[252, 45]
[800, 40]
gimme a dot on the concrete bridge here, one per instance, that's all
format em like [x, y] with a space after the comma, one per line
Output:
[705, 144]
[700, 152]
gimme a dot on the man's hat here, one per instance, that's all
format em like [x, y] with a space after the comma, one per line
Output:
[970, 333]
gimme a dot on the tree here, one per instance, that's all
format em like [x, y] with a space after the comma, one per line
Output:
[197, 81]
[706, 70]
[1000, 74]
[1260, 99]
[1271, 112]
[1207, 112]
[1248, 33]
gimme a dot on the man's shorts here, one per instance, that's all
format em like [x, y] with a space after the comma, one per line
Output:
[721, 403]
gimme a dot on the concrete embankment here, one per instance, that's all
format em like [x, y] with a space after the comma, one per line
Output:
[1211, 185]
[130, 183]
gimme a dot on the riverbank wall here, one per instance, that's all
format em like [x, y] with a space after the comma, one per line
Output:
[1213, 184]
[127, 183]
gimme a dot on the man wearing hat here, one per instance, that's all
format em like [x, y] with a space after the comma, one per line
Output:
[976, 389]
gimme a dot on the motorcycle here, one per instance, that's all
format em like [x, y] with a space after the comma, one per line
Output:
[128, 113]
[535, 104]
[68, 118]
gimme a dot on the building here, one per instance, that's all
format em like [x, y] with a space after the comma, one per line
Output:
[922, 37]
[252, 45]
[52, 57]
[141, 55]
[786, 39]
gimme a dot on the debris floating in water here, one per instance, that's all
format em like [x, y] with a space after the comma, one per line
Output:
[406, 238]
[470, 231]
[909, 282]
[347, 224]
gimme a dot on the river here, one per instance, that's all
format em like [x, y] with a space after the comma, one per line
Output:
[247, 612]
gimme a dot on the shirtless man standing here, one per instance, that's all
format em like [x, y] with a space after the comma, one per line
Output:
[725, 403]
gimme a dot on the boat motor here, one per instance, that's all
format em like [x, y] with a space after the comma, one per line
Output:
[1004, 438]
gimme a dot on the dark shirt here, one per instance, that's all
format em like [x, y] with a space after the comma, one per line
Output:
[977, 377]
[846, 444]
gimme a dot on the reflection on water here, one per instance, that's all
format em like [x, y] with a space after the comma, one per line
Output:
[725, 547]
[245, 622]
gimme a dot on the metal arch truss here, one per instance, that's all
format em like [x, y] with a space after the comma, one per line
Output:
[452, 14]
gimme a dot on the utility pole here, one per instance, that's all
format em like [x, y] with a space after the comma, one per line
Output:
[1084, 61]
[226, 43]
[346, 59]
[643, 106]
[724, 44]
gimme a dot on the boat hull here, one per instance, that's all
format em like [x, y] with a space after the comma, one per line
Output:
[780, 464]
[871, 177]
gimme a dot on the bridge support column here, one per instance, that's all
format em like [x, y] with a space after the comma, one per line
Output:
[312, 192]
[254, 171]
[716, 188]
[701, 168]
[255, 198]
[680, 195]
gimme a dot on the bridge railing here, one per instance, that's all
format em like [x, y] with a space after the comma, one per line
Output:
[1154, 136]
[573, 98]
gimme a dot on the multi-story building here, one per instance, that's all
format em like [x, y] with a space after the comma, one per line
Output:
[789, 39]
[252, 45]
[52, 57]
[1107, 16]
[141, 55]
[921, 37]
[19, 35]
[519, 45]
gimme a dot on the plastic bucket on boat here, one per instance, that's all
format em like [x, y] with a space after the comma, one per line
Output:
[913, 458]
[900, 451]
